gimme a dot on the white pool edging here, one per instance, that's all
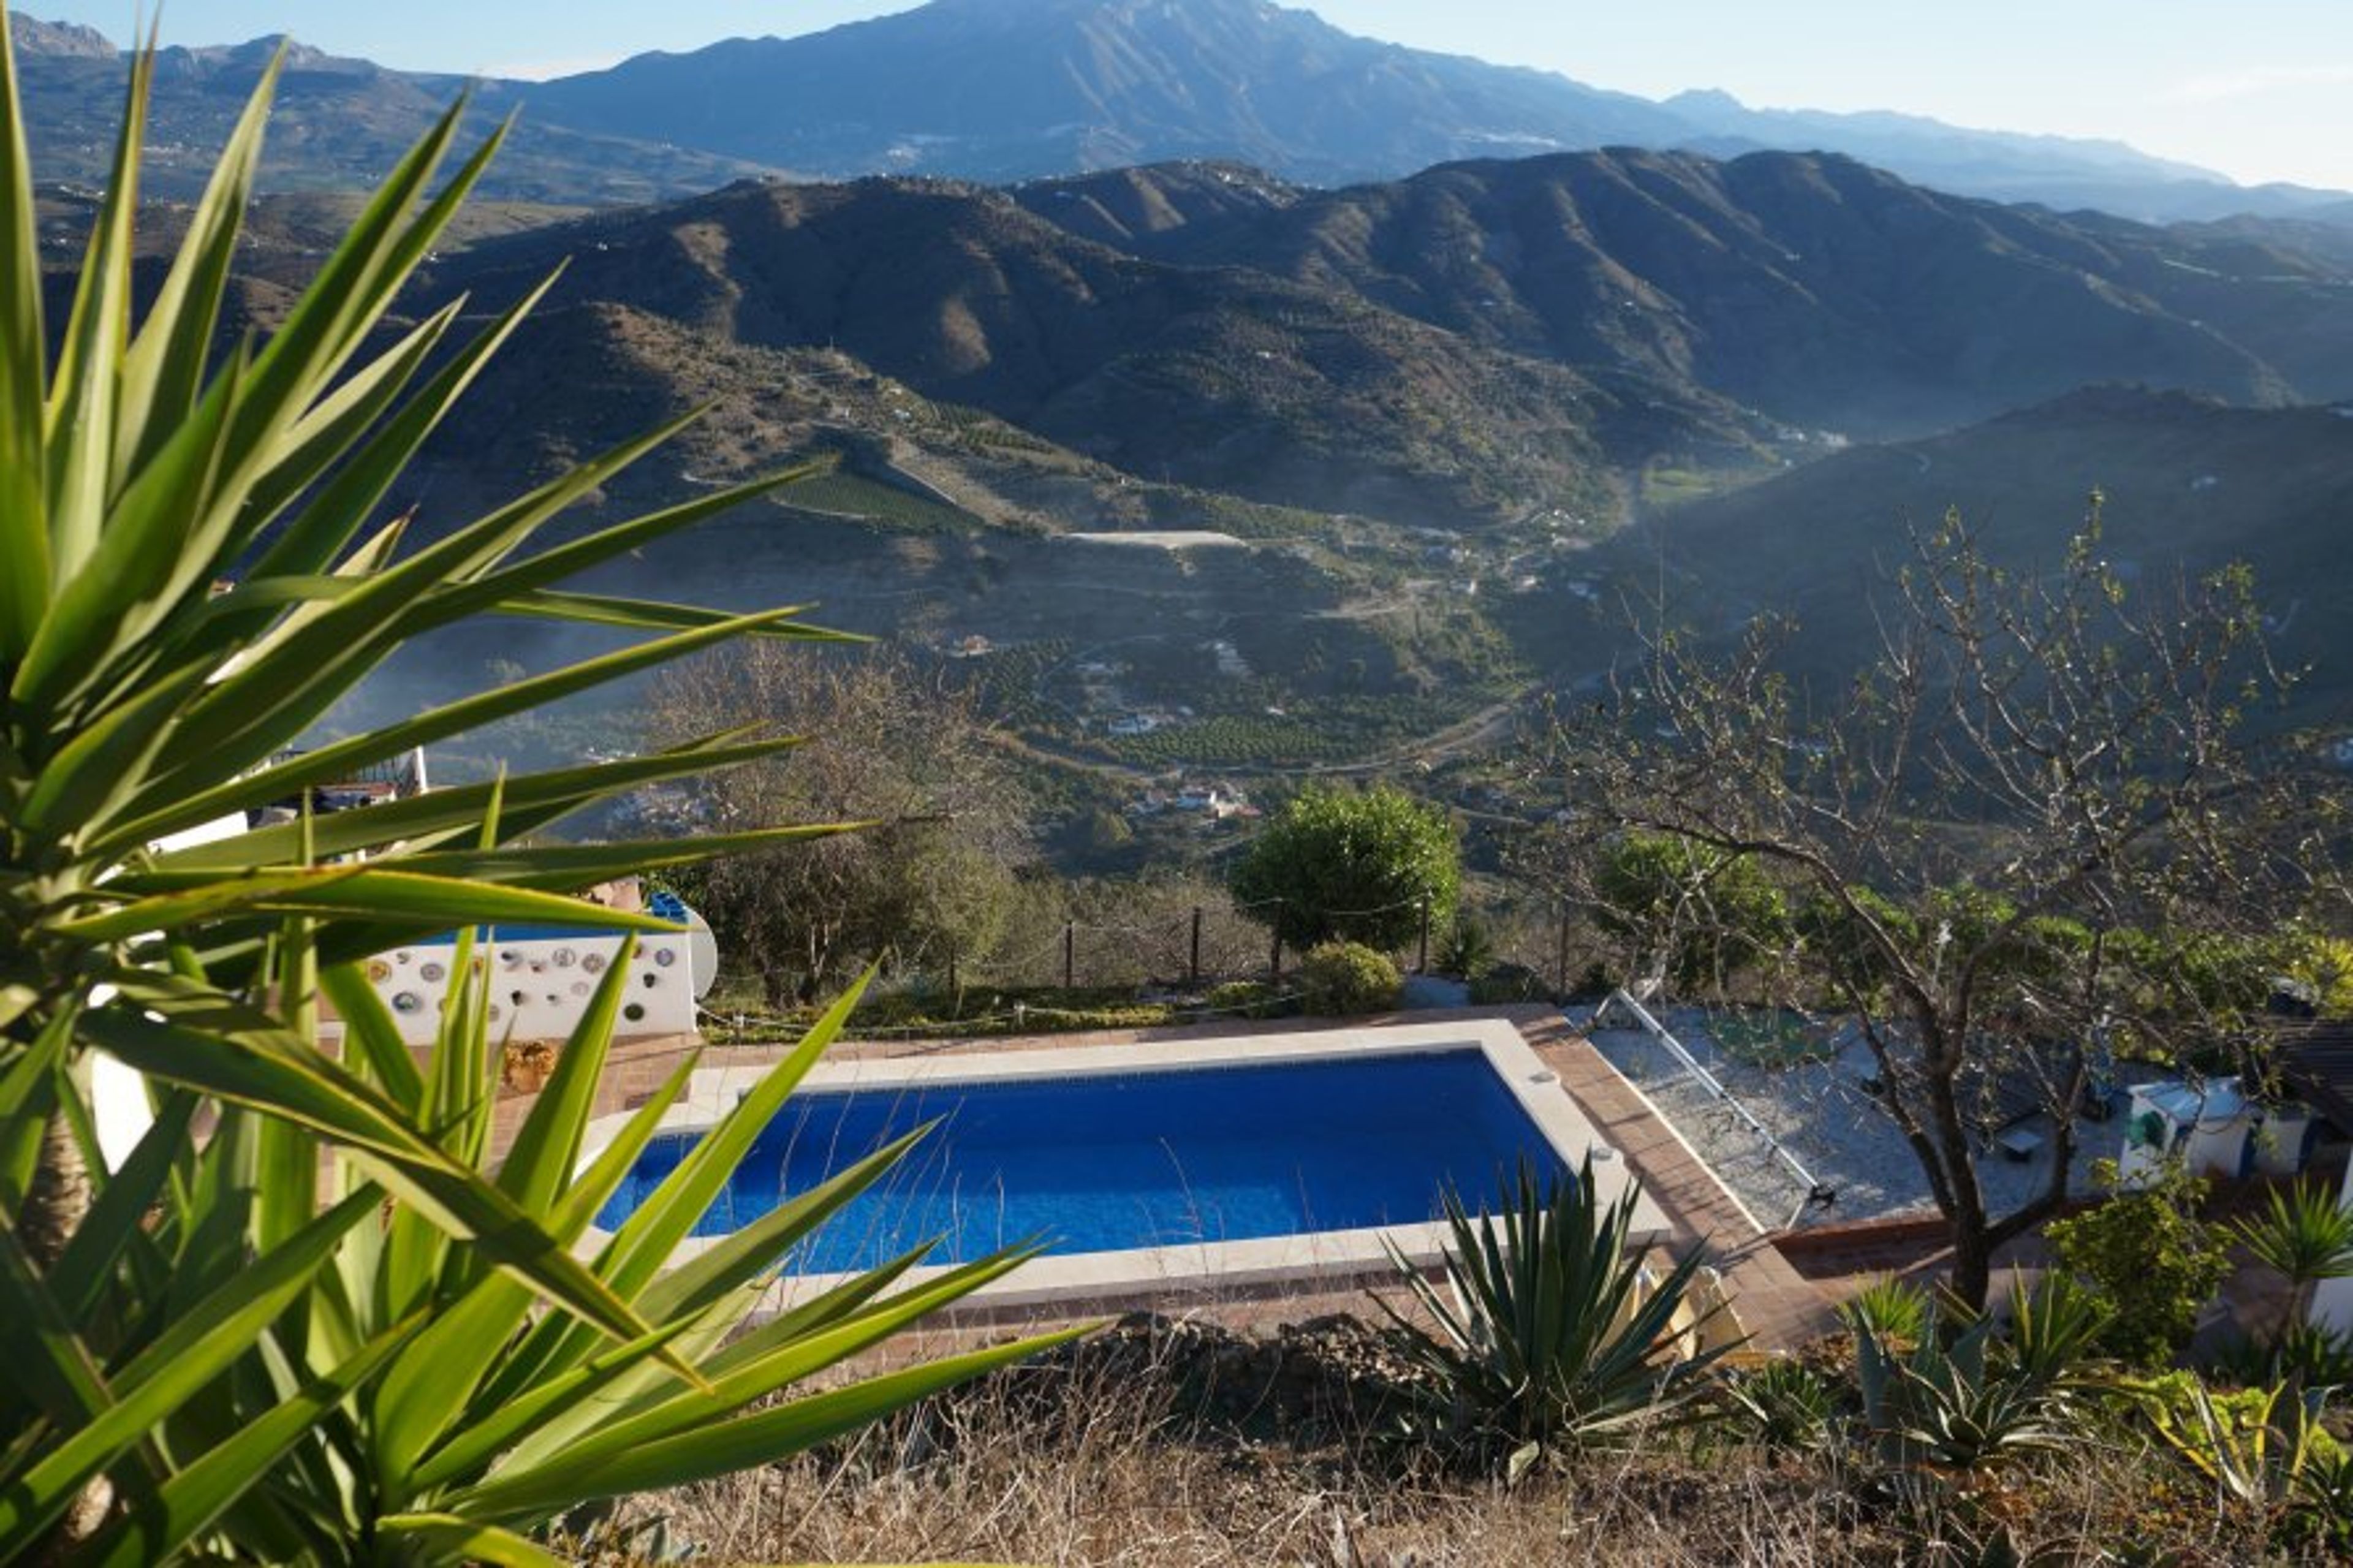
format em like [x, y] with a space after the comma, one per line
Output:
[712, 1092]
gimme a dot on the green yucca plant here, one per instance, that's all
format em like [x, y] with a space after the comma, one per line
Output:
[328, 1327]
[1890, 1308]
[392, 1395]
[2305, 1235]
[1546, 1331]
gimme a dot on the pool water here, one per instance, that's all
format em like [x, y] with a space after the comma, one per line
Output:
[1105, 1162]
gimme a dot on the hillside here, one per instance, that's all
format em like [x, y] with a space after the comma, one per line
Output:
[1478, 340]
[1223, 378]
[2190, 485]
[1822, 292]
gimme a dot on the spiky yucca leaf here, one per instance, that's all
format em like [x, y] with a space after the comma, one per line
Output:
[195, 571]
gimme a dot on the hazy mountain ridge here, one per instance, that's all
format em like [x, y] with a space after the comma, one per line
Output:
[1814, 288]
[1001, 90]
[2190, 485]
[1007, 90]
[337, 125]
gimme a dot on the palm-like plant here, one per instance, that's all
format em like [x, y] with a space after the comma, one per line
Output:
[195, 571]
[1890, 1308]
[2304, 1235]
[396, 1397]
[1547, 1330]
[2253, 1447]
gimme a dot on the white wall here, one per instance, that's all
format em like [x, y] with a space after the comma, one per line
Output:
[540, 984]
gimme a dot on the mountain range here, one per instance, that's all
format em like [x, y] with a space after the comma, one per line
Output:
[1006, 89]
[1428, 407]
[1471, 344]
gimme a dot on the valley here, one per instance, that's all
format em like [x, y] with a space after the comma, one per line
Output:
[1465, 429]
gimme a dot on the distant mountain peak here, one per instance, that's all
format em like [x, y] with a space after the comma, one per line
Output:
[58, 40]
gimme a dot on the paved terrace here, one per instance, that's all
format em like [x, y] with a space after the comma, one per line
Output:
[1778, 1306]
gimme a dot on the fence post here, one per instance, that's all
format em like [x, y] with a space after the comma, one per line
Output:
[1421, 958]
[1193, 966]
[1275, 956]
[1560, 966]
[1070, 956]
[954, 989]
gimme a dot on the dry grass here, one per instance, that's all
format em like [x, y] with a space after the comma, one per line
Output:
[1194, 1448]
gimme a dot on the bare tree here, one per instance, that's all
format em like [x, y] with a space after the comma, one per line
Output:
[2025, 838]
[886, 744]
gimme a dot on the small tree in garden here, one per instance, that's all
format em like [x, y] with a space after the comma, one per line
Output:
[1362, 866]
[2008, 839]
[2149, 1256]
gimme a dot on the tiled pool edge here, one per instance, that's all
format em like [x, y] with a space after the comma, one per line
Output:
[1301, 1259]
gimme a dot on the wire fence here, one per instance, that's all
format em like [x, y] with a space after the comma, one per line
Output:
[1180, 944]
[1202, 942]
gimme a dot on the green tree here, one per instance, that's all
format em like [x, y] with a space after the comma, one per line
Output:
[195, 571]
[1358, 865]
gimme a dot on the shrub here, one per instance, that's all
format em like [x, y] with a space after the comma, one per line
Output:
[1342, 979]
[1960, 1398]
[2262, 1451]
[1785, 1407]
[1469, 950]
[2149, 1256]
[1509, 983]
[1242, 998]
[1361, 867]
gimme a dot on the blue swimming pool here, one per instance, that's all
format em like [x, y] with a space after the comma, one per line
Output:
[1106, 1162]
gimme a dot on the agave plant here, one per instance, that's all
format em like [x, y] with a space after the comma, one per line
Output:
[1785, 1407]
[1957, 1397]
[1548, 1330]
[2253, 1447]
[196, 570]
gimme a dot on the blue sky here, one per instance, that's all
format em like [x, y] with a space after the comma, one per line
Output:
[2260, 90]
